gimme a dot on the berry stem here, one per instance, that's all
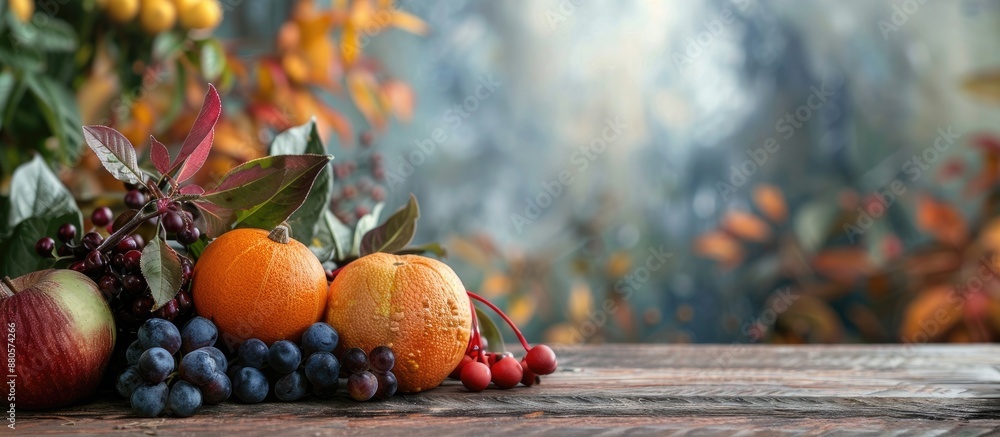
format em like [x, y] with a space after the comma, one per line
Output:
[520, 337]
[127, 229]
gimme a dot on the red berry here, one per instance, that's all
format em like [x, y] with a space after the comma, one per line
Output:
[101, 216]
[476, 376]
[139, 241]
[457, 373]
[91, 240]
[132, 259]
[66, 232]
[126, 244]
[183, 299]
[188, 235]
[528, 378]
[168, 311]
[141, 307]
[135, 199]
[172, 222]
[95, 261]
[366, 138]
[78, 266]
[378, 194]
[506, 372]
[134, 284]
[65, 250]
[541, 360]
[44, 246]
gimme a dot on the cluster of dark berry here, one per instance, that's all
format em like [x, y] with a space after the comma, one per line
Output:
[151, 383]
[280, 370]
[114, 263]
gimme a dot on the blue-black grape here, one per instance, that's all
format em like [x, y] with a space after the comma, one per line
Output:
[231, 373]
[128, 381]
[220, 358]
[322, 370]
[381, 359]
[149, 400]
[291, 387]
[387, 385]
[155, 365]
[354, 360]
[362, 385]
[197, 333]
[160, 333]
[184, 399]
[217, 389]
[320, 337]
[284, 357]
[250, 385]
[253, 353]
[198, 367]
[133, 352]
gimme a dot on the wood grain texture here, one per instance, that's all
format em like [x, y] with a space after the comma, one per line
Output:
[643, 389]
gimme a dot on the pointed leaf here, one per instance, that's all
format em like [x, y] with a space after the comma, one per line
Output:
[192, 190]
[212, 59]
[489, 331]
[332, 239]
[264, 192]
[115, 152]
[162, 269]
[366, 223]
[35, 191]
[434, 248]
[395, 233]
[159, 155]
[218, 219]
[306, 220]
[198, 143]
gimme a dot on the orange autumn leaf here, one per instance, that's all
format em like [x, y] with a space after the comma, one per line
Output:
[720, 247]
[843, 265]
[941, 220]
[408, 22]
[746, 226]
[939, 307]
[771, 202]
[401, 99]
[361, 86]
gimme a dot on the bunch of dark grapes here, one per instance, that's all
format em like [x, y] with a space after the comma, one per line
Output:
[152, 385]
[288, 372]
[115, 265]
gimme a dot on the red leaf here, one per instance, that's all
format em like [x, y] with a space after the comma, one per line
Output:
[115, 152]
[192, 189]
[218, 219]
[198, 143]
[159, 154]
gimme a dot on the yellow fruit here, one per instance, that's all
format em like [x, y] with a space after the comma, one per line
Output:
[22, 9]
[253, 284]
[121, 11]
[157, 16]
[205, 14]
[295, 67]
[415, 305]
[183, 5]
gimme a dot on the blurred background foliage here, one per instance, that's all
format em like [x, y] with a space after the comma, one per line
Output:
[714, 171]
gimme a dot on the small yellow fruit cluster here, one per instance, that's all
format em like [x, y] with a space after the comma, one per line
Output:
[156, 16]
[22, 9]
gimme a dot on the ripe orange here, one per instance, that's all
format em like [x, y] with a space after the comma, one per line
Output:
[205, 14]
[413, 304]
[253, 284]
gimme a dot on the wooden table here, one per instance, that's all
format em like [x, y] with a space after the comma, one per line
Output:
[642, 389]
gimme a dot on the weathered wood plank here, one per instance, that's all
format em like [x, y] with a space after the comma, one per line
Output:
[644, 389]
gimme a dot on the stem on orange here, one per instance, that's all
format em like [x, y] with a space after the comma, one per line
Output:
[520, 337]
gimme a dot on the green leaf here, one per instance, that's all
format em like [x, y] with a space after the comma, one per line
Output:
[166, 45]
[198, 247]
[305, 222]
[395, 233]
[24, 58]
[35, 191]
[55, 35]
[37, 206]
[212, 59]
[60, 112]
[488, 330]
[6, 89]
[162, 269]
[115, 152]
[332, 239]
[264, 192]
[365, 223]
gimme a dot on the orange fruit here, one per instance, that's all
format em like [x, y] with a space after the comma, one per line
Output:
[121, 11]
[415, 305]
[255, 284]
[157, 16]
[22, 9]
[205, 14]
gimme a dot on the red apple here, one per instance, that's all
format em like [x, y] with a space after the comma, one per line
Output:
[59, 337]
